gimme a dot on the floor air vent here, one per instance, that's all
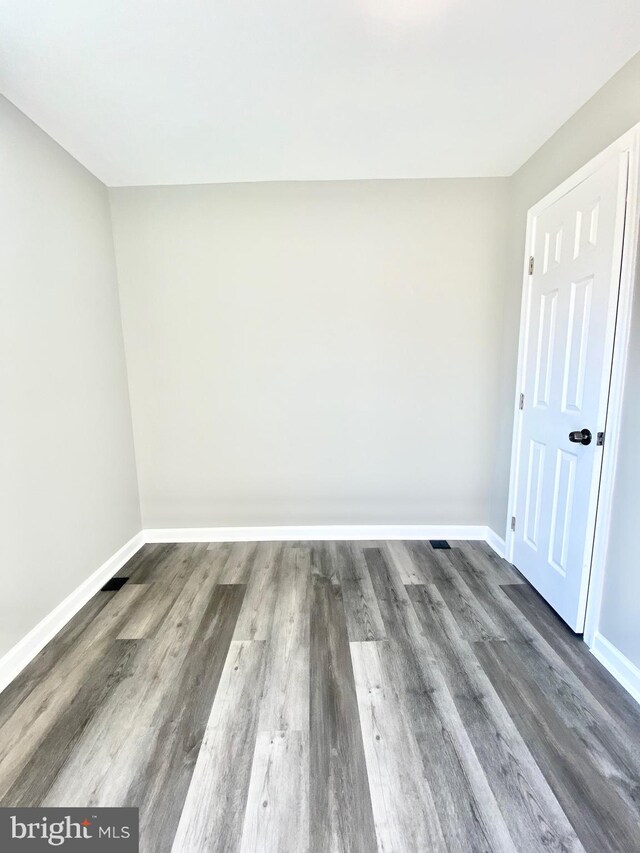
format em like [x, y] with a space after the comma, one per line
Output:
[114, 584]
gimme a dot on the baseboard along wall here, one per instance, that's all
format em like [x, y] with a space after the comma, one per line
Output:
[15, 660]
[496, 542]
[320, 532]
[621, 668]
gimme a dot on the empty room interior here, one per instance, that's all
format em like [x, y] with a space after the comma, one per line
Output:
[320, 394]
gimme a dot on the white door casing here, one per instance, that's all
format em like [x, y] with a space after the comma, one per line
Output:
[567, 338]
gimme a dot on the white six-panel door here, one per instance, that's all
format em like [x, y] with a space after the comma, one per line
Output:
[569, 334]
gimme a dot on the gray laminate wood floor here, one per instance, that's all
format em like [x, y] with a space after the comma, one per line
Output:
[327, 696]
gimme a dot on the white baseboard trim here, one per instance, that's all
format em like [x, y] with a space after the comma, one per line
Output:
[496, 542]
[338, 532]
[14, 661]
[620, 667]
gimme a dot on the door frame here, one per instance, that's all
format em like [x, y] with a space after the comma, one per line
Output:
[629, 142]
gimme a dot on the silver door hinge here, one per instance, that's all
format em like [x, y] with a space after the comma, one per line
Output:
[531, 265]
[513, 522]
[521, 404]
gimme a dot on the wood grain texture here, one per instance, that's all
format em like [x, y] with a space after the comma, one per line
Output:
[404, 811]
[475, 622]
[258, 610]
[285, 699]
[413, 562]
[601, 685]
[494, 569]
[149, 563]
[277, 812]
[72, 635]
[530, 809]
[364, 620]
[53, 694]
[488, 598]
[101, 769]
[37, 777]
[160, 786]
[144, 553]
[607, 823]
[327, 696]
[238, 568]
[341, 817]
[455, 792]
[145, 619]
[213, 813]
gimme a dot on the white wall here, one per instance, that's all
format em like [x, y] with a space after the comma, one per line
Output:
[613, 110]
[313, 352]
[68, 492]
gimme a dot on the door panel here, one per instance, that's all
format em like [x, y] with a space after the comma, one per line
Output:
[534, 493]
[561, 510]
[546, 340]
[575, 358]
[567, 362]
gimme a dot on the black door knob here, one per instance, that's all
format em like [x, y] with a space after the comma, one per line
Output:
[581, 436]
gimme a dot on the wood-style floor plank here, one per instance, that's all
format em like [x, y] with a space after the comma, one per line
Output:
[146, 552]
[73, 634]
[414, 562]
[240, 562]
[149, 563]
[474, 621]
[494, 569]
[144, 620]
[364, 621]
[456, 794]
[37, 777]
[263, 560]
[160, 786]
[489, 599]
[285, 699]
[575, 704]
[101, 769]
[340, 814]
[277, 812]
[533, 815]
[213, 813]
[606, 825]
[404, 811]
[579, 709]
[398, 556]
[52, 696]
[600, 683]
